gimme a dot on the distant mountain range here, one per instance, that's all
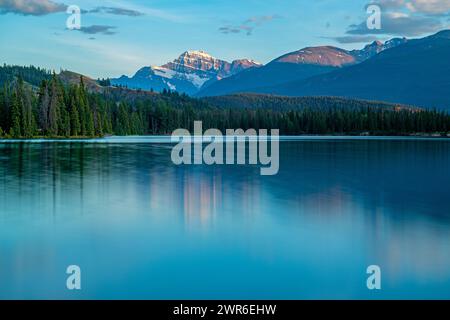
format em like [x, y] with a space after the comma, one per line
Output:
[414, 72]
[190, 72]
[198, 73]
[297, 65]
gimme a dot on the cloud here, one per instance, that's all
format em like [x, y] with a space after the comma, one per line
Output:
[44, 7]
[399, 24]
[410, 18]
[389, 4]
[354, 39]
[428, 7]
[117, 11]
[229, 29]
[249, 25]
[31, 7]
[146, 10]
[98, 29]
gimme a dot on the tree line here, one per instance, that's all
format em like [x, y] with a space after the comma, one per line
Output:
[53, 109]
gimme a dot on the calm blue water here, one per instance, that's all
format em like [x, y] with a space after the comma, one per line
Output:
[141, 227]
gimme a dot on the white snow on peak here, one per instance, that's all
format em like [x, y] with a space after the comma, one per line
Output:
[251, 61]
[200, 53]
[196, 80]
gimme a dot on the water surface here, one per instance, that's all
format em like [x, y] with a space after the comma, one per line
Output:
[141, 227]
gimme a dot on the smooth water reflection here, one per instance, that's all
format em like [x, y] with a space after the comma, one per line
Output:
[141, 227]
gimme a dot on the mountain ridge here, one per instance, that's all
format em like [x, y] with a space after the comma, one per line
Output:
[186, 74]
[298, 65]
[416, 73]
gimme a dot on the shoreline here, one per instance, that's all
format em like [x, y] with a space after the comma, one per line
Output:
[167, 138]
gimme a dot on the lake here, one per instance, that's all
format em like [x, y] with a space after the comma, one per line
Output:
[141, 227]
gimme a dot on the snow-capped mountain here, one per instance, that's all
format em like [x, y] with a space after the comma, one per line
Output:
[336, 57]
[190, 72]
[375, 48]
[416, 72]
[297, 65]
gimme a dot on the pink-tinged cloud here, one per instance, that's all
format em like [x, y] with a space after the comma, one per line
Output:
[31, 7]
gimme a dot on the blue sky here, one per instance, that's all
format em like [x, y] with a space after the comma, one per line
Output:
[119, 37]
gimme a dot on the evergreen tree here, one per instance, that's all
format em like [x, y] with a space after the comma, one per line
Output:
[90, 130]
[43, 108]
[54, 111]
[16, 129]
[123, 121]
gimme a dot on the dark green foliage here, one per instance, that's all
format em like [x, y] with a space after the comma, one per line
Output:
[281, 103]
[55, 110]
[31, 74]
[15, 126]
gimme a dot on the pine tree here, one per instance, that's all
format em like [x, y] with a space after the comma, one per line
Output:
[16, 131]
[54, 109]
[43, 108]
[65, 123]
[123, 121]
[75, 126]
[26, 108]
[90, 130]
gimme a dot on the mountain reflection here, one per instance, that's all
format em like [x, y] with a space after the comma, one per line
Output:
[341, 203]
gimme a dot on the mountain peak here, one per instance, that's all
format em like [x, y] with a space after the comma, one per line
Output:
[199, 53]
[248, 61]
[195, 60]
[376, 43]
[375, 48]
[322, 55]
[187, 73]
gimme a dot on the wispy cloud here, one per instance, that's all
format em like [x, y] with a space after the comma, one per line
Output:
[400, 24]
[410, 18]
[431, 7]
[117, 11]
[116, 7]
[145, 10]
[98, 29]
[248, 26]
[31, 7]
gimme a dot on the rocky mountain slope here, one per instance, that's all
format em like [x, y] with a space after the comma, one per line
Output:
[415, 73]
[297, 65]
[186, 74]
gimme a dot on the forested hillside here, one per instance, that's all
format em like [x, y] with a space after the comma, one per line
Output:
[264, 101]
[53, 108]
[31, 74]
